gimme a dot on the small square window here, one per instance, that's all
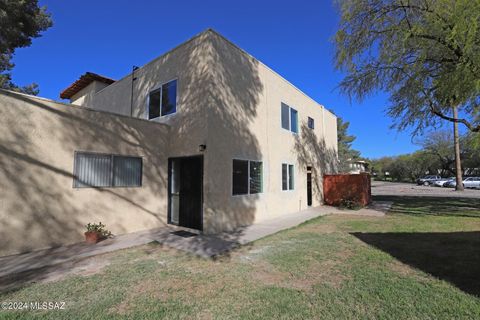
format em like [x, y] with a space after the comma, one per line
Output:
[311, 123]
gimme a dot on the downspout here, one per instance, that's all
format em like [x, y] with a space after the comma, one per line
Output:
[131, 92]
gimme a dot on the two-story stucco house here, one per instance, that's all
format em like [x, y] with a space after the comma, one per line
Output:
[243, 143]
[204, 137]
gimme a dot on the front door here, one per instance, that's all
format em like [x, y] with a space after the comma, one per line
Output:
[309, 186]
[185, 186]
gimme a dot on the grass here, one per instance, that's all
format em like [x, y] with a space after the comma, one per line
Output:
[416, 264]
[467, 207]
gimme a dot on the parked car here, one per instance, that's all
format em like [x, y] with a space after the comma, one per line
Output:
[450, 183]
[471, 182]
[441, 182]
[428, 180]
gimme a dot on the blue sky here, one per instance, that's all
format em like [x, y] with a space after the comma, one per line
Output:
[293, 38]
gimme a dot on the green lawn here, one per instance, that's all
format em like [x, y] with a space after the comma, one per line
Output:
[403, 266]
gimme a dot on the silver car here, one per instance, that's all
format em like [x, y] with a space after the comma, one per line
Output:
[471, 182]
[442, 181]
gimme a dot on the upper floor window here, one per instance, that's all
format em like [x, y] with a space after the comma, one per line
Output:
[163, 101]
[311, 123]
[289, 118]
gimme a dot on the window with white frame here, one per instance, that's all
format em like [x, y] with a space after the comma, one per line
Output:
[96, 170]
[289, 118]
[163, 101]
[247, 177]
[288, 176]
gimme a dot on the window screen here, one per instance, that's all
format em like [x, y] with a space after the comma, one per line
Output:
[256, 177]
[311, 123]
[92, 170]
[293, 120]
[169, 98]
[285, 117]
[127, 171]
[104, 170]
[240, 177]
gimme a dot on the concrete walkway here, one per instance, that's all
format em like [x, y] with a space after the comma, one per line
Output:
[25, 265]
[198, 244]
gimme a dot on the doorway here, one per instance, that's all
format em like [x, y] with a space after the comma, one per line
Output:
[309, 186]
[185, 192]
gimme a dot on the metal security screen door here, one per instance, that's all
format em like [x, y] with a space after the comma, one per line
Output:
[185, 187]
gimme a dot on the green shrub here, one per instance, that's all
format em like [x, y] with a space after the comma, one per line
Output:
[99, 228]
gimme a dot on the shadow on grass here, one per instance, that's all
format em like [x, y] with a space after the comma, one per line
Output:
[452, 256]
[439, 206]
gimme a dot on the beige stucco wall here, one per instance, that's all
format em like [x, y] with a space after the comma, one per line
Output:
[38, 205]
[86, 96]
[231, 102]
[244, 122]
[226, 99]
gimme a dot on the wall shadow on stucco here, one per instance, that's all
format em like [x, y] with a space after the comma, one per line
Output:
[218, 93]
[40, 208]
[449, 256]
[312, 151]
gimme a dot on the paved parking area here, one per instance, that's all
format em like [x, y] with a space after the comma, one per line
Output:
[382, 188]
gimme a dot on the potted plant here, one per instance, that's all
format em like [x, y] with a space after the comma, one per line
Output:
[96, 232]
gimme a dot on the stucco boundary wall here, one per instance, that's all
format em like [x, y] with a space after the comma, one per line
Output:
[337, 187]
[39, 207]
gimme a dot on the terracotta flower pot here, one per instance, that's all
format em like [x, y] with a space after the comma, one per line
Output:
[93, 237]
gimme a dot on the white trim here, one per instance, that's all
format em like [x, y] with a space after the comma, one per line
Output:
[160, 87]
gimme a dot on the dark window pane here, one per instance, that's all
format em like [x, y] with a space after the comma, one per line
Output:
[127, 171]
[294, 120]
[290, 177]
[256, 183]
[92, 170]
[154, 104]
[240, 177]
[169, 98]
[284, 176]
[311, 123]
[285, 119]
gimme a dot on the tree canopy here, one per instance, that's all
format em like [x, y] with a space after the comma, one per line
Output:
[345, 151]
[20, 22]
[424, 53]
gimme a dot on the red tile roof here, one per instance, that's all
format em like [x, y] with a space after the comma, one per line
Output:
[81, 83]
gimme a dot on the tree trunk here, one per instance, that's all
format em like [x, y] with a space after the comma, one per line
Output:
[458, 163]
